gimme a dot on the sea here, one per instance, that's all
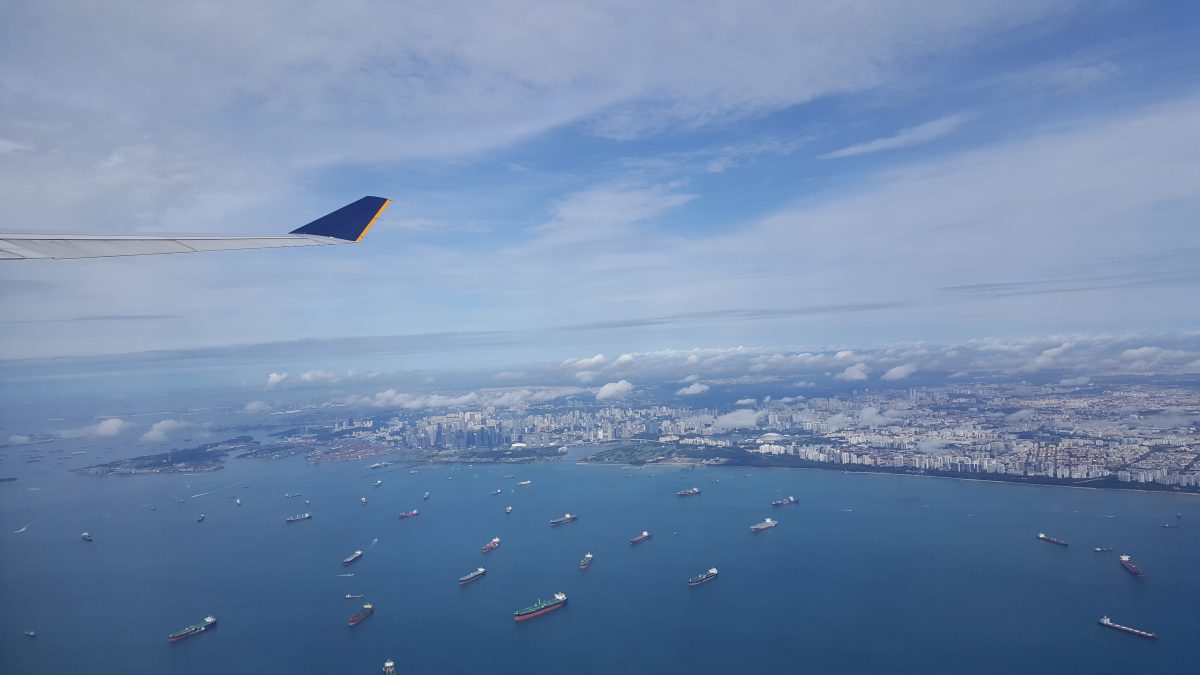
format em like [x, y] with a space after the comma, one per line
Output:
[867, 573]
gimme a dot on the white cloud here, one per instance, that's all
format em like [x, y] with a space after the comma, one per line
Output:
[256, 407]
[692, 389]
[913, 136]
[108, 428]
[618, 389]
[275, 379]
[1075, 381]
[899, 372]
[858, 371]
[585, 376]
[738, 419]
[18, 439]
[624, 359]
[748, 401]
[583, 364]
[159, 430]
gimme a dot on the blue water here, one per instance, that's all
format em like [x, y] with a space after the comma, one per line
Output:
[867, 574]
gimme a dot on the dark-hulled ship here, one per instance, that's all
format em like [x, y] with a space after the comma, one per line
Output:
[1042, 536]
[196, 629]
[566, 518]
[785, 502]
[586, 562]
[1109, 623]
[688, 492]
[352, 557]
[542, 607]
[359, 616]
[464, 580]
[704, 577]
[299, 517]
[640, 538]
[1130, 567]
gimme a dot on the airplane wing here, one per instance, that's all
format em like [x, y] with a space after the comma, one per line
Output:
[347, 225]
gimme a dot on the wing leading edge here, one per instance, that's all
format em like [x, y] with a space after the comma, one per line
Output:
[347, 225]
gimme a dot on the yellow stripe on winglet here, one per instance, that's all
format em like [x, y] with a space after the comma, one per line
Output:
[377, 214]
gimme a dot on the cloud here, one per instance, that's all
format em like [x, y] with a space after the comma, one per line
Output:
[275, 379]
[159, 430]
[1075, 381]
[623, 360]
[584, 364]
[256, 407]
[618, 389]
[899, 372]
[19, 439]
[585, 376]
[746, 401]
[738, 419]
[912, 136]
[108, 428]
[692, 389]
[856, 372]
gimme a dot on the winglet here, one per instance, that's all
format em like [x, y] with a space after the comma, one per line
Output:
[349, 223]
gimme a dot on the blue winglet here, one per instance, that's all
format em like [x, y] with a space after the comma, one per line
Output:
[349, 223]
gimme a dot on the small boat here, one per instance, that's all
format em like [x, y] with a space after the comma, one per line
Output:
[306, 501]
[378, 483]
[200, 519]
[412, 471]
[30, 633]
[525, 482]
[237, 500]
[425, 496]
[362, 500]
[495, 493]
[507, 476]
[508, 509]
[1103, 549]
[586, 562]
[86, 536]
[354, 596]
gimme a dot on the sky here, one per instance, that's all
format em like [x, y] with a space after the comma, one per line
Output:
[571, 179]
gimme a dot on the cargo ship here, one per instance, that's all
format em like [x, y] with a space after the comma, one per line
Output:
[86, 536]
[586, 562]
[209, 622]
[704, 577]
[566, 518]
[410, 514]
[354, 596]
[299, 517]
[764, 525]
[640, 538]
[688, 492]
[1105, 621]
[463, 581]
[1133, 569]
[491, 545]
[200, 519]
[352, 557]
[495, 493]
[378, 483]
[542, 607]
[1103, 549]
[784, 502]
[1042, 536]
[367, 610]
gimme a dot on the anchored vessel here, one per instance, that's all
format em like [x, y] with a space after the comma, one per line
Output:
[209, 622]
[542, 607]
[764, 525]
[86, 536]
[1105, 621]
[354, 596]
[1133, 569]
[363, 500]
[784, 502]
[507, 475]
[688, 492]
[525, 482]
[463, 581]
[566, 518]
[640, 538]
[410, 514]
[352, 557]
[425, 496]
[237, 500]
[367, 610]
[491, 544]
[496, 492]
[1102, 549]
[586, 562]
[508, 509]
[299, 517]
[704, 577]
[200, 519]
[1052, 540]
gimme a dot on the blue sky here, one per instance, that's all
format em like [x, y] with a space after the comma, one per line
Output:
[579, 179]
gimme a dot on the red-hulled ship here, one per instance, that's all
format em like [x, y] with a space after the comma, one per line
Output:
[1133, 569]
[542, 607]
[586, 562]
[491, 545]
[367, 610]
[640, 538]
[410, 514]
